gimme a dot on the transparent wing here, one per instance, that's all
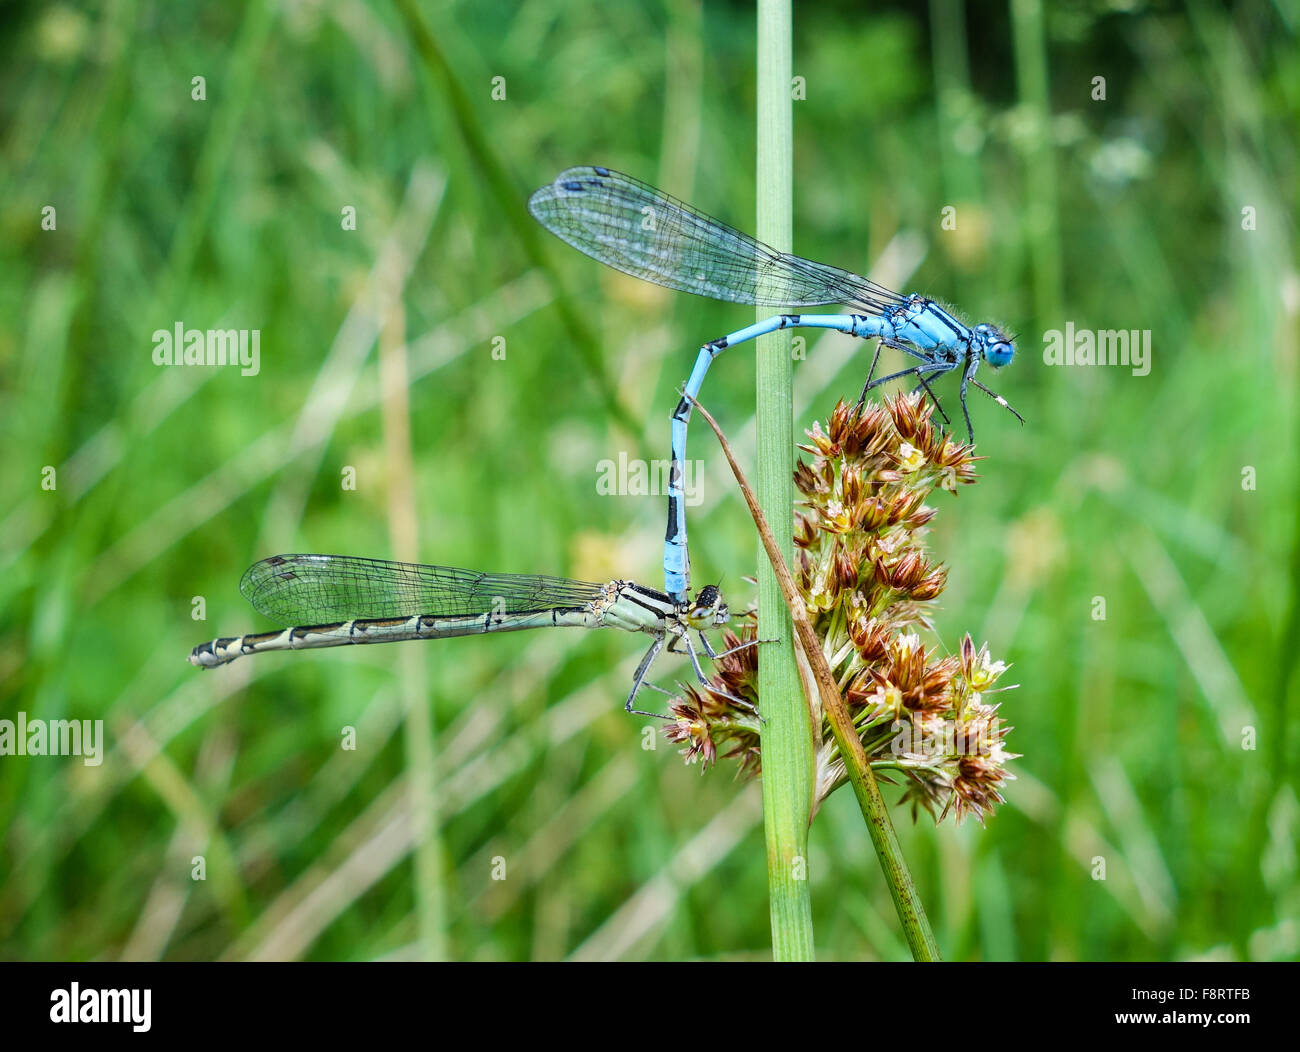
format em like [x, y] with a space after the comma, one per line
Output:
[630, 226]
[318, 589]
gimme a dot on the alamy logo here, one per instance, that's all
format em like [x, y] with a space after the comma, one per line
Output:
[93, 1005]
[627, 477]
[1123, 347]
[181, 346]
[24, 737]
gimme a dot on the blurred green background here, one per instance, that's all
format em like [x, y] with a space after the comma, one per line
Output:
[1155, 739]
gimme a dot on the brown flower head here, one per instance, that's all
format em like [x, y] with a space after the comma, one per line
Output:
[867, 581]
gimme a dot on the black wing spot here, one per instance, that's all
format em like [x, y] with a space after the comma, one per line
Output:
[600, 171]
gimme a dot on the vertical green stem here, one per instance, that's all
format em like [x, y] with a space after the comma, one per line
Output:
[419, 734]
[911, 911]
[787, 735]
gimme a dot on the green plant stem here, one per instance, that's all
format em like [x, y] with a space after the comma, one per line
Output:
[419, 734]
[787, 733]
[911, 912]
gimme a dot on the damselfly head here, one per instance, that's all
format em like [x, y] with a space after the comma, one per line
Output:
[708, 609]
[999, 348]
[1000, 353]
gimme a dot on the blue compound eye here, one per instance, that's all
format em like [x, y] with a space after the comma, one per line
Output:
[999, 354]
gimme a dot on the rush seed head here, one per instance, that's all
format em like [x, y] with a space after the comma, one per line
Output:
[867, 580]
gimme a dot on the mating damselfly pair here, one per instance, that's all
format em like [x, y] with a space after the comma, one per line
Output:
[639, 230]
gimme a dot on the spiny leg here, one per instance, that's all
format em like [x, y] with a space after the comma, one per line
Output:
[919, 371]
[730, 650]
[699, 672]
[999, 399]
[639, 677]
[928, 367]
[972, 364]
[933, 397]
[666, 693]
[882, 341]
[685, 639]
[682, 636]
[926, 360]
[875, 360]
[715, 657]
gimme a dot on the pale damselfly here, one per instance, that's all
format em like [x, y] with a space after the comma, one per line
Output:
[341, 600]
[632, 227]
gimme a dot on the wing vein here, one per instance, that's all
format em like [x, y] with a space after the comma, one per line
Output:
[302, 589]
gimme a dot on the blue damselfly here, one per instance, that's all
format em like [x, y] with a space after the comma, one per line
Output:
[632, 227]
